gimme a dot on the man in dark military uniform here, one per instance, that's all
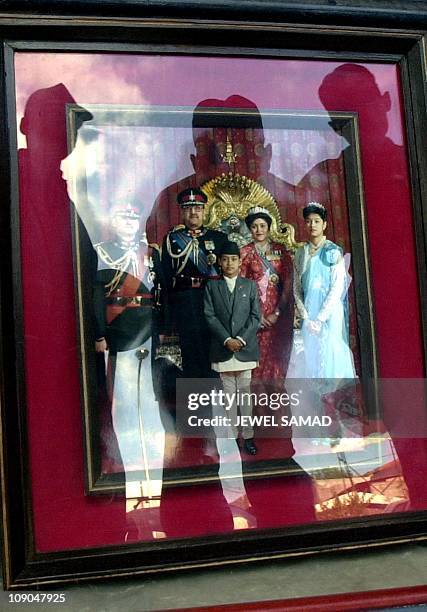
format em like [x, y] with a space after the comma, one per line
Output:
[189, 259]
[123, 285]
[123, 306]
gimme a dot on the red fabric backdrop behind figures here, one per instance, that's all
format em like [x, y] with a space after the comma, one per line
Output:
[63, 517]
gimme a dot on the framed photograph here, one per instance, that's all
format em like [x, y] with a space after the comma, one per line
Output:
[214, 291]
[327, 163]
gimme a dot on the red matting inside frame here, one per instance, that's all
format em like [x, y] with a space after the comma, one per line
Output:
[63, 517]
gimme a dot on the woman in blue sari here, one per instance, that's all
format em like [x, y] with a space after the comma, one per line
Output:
[320, 288]
[325, 359]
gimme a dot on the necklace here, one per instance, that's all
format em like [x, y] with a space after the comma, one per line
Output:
[313, 248]
[262, 248]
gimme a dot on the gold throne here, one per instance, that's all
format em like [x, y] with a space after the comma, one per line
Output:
[230, 196]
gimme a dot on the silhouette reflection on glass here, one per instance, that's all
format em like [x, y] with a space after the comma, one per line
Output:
[48, 274]
[250, 156]
[123, 316]
[292, 166]
[354, 87]
[123, 274]
[124, 326]
[241, 149]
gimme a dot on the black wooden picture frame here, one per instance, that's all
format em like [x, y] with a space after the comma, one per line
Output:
[369, 32]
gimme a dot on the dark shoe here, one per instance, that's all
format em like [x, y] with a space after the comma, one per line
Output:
[249, 446]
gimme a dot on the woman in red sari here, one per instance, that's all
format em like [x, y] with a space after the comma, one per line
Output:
[270, 266]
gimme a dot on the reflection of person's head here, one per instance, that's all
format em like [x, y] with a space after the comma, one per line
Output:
[125, 220]
[44, 121]
[229, 259]
[192, 202]
[353, 87]
[251, 119]
[75, 166]
[315, 219]
[259, 222]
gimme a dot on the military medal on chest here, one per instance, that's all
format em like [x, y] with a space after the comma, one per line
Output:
[148, 267]
[274, 279]
[211, 257]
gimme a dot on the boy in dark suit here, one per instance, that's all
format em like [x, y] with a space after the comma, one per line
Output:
[233, 316]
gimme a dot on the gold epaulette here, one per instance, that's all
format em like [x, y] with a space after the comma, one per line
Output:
[155, 246]
[177, 227]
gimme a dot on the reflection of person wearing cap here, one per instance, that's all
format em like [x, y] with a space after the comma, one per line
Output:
[253, 160]
[270, 266]
[189, 259]
[233, 316]
[354, 87]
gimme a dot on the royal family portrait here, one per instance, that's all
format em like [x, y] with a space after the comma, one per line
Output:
[240, 274]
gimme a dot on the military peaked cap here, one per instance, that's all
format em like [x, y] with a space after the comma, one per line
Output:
[191, 197]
